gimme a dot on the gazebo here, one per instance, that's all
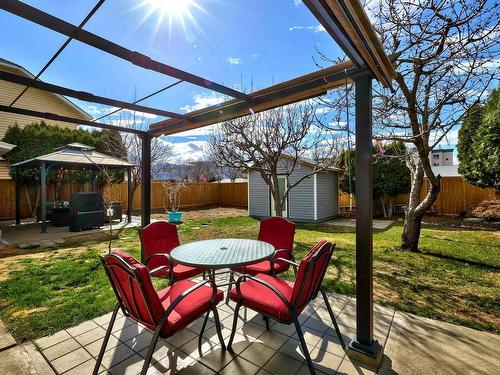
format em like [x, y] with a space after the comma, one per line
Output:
[345, 21]
[71, 156]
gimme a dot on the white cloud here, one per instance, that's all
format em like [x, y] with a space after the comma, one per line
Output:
[255, 55]
[317, 29]
[203, 101]
[204, 131]
[297, 2]
[185, 152]
[234, 60]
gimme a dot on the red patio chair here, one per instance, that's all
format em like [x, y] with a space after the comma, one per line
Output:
[284, 300]
[165, 312]
[279, 232]
[158, 239]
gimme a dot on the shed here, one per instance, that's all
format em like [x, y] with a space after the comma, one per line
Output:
[314, 199]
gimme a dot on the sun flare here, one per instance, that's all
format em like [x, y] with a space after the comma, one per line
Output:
[172, 8]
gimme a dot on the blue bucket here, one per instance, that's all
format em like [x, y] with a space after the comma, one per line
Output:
[175, 217]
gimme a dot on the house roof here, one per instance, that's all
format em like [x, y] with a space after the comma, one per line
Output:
[77, 154]
[446, 170]
[442, 149]
[24, 71]
[308, 162]
[5, 147]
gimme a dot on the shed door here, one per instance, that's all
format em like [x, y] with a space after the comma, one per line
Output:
[282, 188]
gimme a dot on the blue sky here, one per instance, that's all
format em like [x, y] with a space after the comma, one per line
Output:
[233, 42]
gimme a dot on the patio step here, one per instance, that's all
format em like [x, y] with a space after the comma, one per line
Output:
[23, 359]
[6, 339]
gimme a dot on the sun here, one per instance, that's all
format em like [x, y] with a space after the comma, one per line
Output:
[172, 8]
[172, 11]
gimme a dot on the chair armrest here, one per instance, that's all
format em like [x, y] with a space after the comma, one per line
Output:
[183, 295]
[160, 268]
[264, 283]
[165, 257]
[275, 257]
[287, 261]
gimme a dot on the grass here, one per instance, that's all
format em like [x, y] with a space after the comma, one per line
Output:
[455, 278]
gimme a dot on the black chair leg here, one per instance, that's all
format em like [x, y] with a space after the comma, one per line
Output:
[218, 328]
[233, 329]
[332, 316]
[106, 339]
[304, 345]
[266, 319]
[231, 282]
[151, 350]
[203, 330]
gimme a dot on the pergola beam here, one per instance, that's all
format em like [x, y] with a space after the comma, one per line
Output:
[72, 120]
[288, 92]
[56, 24]
[348, 24]
[82, 95]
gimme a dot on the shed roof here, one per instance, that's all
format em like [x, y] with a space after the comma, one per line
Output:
[309, 163]
[77, 154]
[5, 147]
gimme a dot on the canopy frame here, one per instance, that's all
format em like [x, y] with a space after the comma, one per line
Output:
[348, 24]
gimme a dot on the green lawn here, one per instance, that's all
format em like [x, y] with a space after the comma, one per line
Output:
[456, 278]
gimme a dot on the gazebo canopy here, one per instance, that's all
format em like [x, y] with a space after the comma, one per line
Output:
[77, 155]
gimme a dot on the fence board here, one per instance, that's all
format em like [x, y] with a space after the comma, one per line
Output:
[456, 196]
[194, 195]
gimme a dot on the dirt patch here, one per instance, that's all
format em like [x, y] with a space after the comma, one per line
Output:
[208, 213]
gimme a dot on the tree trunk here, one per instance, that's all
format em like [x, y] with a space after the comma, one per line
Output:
[416, 208]
[411, 230]
[390, 210]
[384, 210]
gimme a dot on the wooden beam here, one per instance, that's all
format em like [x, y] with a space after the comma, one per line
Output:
[72, 120]
[81, 95]
[348, 18]
[294, 90]
[56, 24]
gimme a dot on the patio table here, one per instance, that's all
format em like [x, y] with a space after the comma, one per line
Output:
[221, 253]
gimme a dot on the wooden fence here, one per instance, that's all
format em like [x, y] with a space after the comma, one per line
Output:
[194, 195]
[456, 196]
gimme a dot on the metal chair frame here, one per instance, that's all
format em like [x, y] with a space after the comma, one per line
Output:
[292, 309]
[133, 276]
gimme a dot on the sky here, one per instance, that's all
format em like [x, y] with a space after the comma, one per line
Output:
[243, 44]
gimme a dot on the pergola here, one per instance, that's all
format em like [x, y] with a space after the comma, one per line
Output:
[347, 24]
[71, 156]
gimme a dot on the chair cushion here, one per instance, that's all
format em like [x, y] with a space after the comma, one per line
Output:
[190, 308]
[185, 272]
[262, 267]
[180, 272]
[262, 299]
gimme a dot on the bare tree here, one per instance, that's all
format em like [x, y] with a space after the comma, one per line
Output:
[160, 150]
[221, 172]
[447, 64]
[272, 143]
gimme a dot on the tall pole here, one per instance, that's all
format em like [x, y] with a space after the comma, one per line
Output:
[43, 195]
[146, 180]
[18, 196]
[364, 348]
[130, 197]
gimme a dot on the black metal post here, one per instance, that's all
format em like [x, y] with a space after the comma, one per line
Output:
[146, 180]
[43, 195]
[364, 348]
[130, 197]
[18, 196]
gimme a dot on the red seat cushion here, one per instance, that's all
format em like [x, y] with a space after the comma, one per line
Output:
[262, 299]
[190, 308]
[262, 267]
[180, 272]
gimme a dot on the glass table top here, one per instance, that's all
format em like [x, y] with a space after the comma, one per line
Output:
[222, 253]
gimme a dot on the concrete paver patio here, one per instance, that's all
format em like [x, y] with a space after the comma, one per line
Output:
[414, 345]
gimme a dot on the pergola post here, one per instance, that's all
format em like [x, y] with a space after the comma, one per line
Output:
[146, 180]
[18, 196]
[43, 195]
[130, 197]
[364, 348]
